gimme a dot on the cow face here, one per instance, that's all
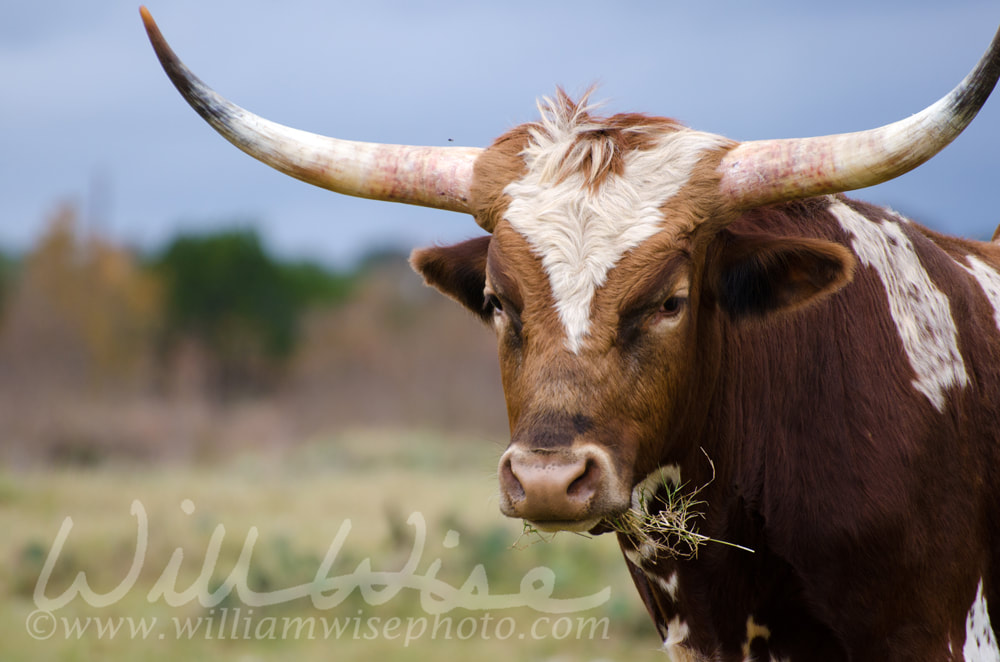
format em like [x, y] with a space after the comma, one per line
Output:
[608, 260]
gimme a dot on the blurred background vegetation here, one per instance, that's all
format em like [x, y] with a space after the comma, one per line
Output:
[213, 342]
[271, 394]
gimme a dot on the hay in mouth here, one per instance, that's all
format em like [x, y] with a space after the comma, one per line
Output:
[663, 520]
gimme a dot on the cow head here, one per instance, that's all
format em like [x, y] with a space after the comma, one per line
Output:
[608, 258]
[607, 246]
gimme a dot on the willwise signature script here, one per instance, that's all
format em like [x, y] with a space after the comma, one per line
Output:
[325, 591]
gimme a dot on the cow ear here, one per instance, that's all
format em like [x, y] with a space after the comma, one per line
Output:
[458, 271]
[757, 275]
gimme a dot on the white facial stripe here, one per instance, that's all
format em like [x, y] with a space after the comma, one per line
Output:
[580, 234]
[989, 280]
[920, 310]
[980, 640]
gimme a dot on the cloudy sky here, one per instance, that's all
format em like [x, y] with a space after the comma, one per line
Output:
[86, 114]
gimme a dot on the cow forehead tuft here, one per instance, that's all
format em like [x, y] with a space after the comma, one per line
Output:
[584, 201]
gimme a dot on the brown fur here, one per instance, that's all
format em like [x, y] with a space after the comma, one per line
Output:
[494, 169]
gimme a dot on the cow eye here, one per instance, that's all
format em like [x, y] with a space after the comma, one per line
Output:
[673, 306]
[504, 317]
[493, 303]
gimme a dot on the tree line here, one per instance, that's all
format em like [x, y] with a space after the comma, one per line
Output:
[93, 311]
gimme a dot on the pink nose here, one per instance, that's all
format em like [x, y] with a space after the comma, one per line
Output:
[552, 489]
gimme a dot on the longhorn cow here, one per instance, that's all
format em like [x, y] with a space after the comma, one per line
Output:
[679, 313]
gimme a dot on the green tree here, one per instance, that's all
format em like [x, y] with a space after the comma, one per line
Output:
[243, 306]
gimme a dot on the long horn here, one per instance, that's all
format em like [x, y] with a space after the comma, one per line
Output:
[430, 176]
[768, 171]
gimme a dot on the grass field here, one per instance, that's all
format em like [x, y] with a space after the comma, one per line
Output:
[328, 505]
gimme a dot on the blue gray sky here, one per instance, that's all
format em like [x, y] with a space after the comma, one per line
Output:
[86, 114]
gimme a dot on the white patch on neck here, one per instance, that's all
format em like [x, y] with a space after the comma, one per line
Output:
[921, 311]
[754, 631]
[580, 234]
[980, 640]
[989, 280]
[670, 585]
[677, 632]
[634, 556]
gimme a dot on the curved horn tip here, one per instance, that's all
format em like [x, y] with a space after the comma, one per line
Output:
[769, 171]
[147, 18]
[152, 30]
[436, 177]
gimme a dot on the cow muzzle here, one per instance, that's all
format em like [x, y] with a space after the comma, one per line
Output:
[566, 489]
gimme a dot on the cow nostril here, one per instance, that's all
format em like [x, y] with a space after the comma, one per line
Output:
[509, 483]
[586, 484]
